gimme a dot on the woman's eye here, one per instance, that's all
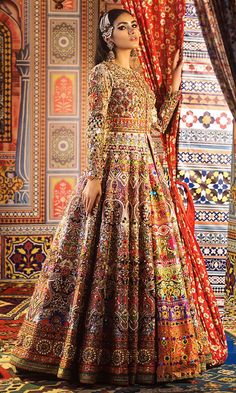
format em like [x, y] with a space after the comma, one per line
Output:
[123, 27]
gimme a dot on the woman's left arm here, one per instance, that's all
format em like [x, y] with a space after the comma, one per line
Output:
[172, 98]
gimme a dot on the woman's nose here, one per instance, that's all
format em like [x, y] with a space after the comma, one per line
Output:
[131, 30]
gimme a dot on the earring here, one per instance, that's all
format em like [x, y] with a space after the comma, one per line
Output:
[111, 54]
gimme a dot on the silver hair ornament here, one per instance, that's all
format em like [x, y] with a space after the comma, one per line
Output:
[105, 27]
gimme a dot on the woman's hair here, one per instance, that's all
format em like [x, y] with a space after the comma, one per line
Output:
[102, 48]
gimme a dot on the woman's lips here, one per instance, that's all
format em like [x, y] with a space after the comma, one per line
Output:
[133, 38]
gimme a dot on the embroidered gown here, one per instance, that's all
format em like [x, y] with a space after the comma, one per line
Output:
[113, 302]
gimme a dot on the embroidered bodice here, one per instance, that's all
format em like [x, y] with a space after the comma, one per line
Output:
[120, 100]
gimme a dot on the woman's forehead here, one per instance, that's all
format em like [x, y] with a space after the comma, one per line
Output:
[124, 18]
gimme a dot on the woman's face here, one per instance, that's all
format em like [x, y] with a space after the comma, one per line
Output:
[125, 33]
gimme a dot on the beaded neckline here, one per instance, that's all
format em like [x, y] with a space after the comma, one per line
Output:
[128, 70]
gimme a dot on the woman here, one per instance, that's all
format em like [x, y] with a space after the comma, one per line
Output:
[114, 301]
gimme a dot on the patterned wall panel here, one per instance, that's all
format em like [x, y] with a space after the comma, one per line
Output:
[63, 93]
[59, 191]
[62, 145]
[64, 39]
[64, 80]
[23, 173]
[60, 6]
[55, 58]
[205, 147]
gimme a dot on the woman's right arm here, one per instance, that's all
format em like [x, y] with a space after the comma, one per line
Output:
[99, 91]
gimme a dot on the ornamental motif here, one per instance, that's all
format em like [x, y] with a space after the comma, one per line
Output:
[63, 96]
[206, 120]
[25, 255]
[62, 148]
[10, 184]
[189, 119]
[64, 42]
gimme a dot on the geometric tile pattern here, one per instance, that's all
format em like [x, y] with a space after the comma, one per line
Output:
[211, 217]
[64, 38]
[62, 146]
[69, 54]
[207, 187]
[205, 151]
[59, 48]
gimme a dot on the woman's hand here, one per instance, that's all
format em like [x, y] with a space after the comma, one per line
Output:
[91, 194]
[176, 72]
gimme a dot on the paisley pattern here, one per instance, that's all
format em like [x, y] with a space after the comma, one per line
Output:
[114, 301]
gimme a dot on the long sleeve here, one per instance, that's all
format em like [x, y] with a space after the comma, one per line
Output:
[161, 121]
[99, 91]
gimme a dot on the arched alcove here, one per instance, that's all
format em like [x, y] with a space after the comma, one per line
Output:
[11, 35]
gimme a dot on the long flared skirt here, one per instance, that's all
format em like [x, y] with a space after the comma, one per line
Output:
[114, 300]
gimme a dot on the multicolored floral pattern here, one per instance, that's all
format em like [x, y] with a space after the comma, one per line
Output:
[115, 300]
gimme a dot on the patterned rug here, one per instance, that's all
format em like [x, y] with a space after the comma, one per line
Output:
[13, 304]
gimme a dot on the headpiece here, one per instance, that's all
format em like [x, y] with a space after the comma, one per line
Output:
[105, 27]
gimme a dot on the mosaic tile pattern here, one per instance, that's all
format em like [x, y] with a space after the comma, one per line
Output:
[204, 157]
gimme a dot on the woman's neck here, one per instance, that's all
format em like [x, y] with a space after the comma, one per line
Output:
[123, 59]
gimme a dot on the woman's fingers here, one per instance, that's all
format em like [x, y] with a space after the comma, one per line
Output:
[89, 203]
[91, 195]
[97, 199]
[90, 206]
